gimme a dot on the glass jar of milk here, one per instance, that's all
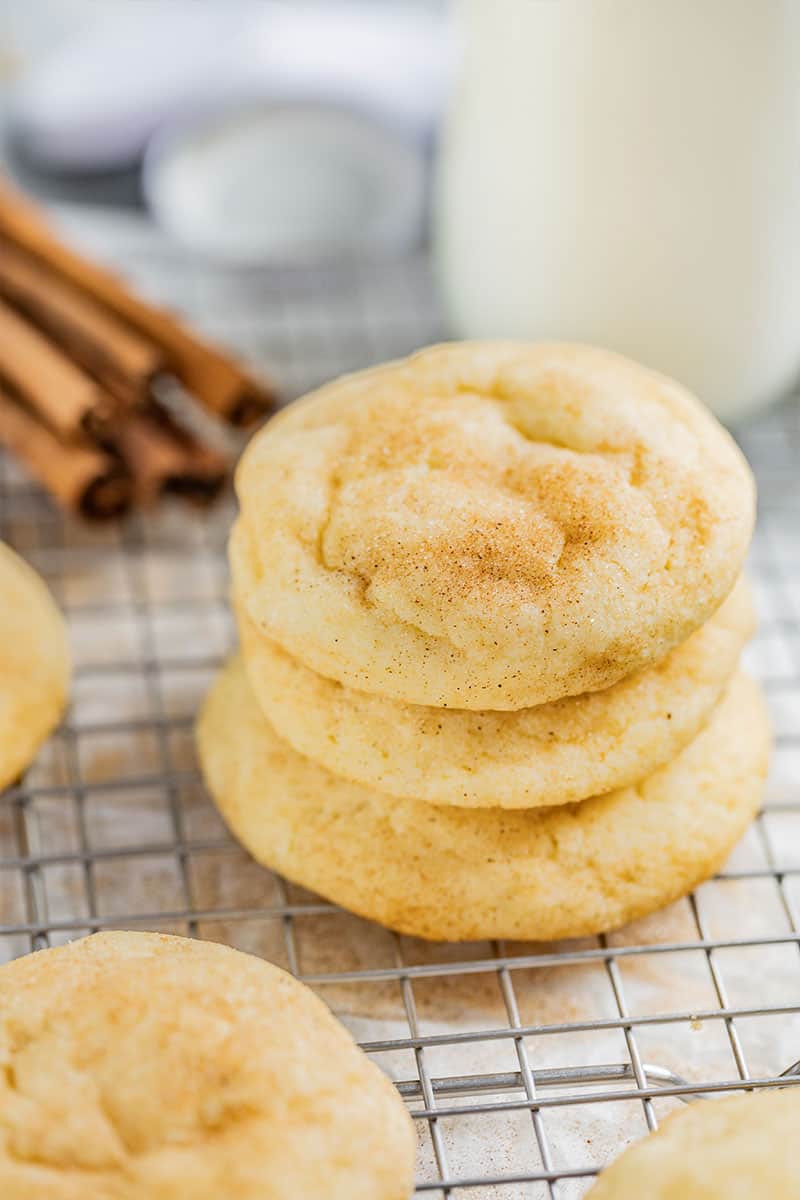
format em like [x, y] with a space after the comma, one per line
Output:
[627, 172]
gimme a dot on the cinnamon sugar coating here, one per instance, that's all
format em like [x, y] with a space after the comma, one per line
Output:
[490, 525]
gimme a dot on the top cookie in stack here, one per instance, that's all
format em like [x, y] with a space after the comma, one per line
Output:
[491, 576]
[490, 525]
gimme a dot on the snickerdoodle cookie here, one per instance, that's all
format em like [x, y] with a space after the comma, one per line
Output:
[739, 1148]
[490, 525]
[138, 1066]
[455, 873]
[552, 754]
[34, 665]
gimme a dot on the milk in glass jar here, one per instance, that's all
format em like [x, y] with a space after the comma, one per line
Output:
[627, 173]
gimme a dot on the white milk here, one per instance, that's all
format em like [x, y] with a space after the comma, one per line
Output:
[627, 172]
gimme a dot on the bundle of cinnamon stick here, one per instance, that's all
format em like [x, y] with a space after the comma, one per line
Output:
[83, 361]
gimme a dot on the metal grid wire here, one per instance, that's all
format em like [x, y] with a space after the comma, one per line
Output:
[527, 1067]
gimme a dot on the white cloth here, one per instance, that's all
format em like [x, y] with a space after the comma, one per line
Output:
[97, 99]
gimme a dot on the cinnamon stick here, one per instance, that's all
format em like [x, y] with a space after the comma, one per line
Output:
[108, 349]
[50, 383]
[164, 459]
[216, 380]
[82, 479]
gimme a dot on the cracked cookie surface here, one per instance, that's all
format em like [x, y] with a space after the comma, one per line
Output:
[460, 874]
[489, 525]
[34, 665]
[137, 1066]
[737, 1148]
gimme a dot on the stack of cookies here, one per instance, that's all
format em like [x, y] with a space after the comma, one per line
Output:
[491, 611]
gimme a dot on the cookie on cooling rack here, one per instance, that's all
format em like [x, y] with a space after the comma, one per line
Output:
[141, 1065]
[551, 754]
[34, 665]
[740, 1147]
[489, 525]
[458, 874]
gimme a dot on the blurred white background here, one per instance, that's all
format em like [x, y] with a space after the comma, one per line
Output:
[268, 131]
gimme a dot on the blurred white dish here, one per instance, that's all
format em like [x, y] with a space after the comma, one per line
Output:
[286, 183]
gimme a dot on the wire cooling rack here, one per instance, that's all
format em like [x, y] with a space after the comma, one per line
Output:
[527, 1067]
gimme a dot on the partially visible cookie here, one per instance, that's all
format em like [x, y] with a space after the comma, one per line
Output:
[137, 1066]
[552, 754]
[490, 525]
[34, 665]
[460, 874]
[739, 1148]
